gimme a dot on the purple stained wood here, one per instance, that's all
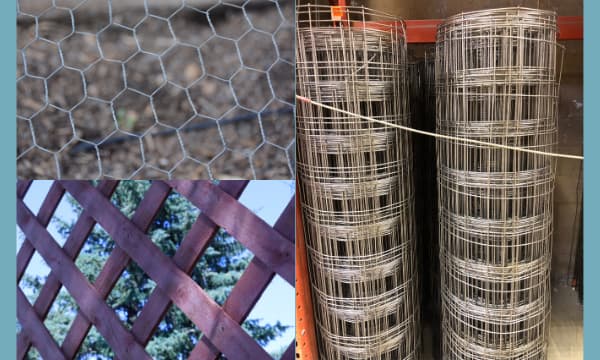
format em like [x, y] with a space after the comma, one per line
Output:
[273, 249]
[186, 257]
[210, 319]
[35, 329]
[95, 309]
[116, 263]
[249, 288]
[44, 215]
[22, 187]
[290, 352]
[254, 233]
[72, 246]
[27, 250]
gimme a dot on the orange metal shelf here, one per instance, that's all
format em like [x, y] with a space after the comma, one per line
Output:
[423, 31]
[306, 344]
[570, 27]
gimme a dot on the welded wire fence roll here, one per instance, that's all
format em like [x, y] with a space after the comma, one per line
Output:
[356, 184]
[497, 80]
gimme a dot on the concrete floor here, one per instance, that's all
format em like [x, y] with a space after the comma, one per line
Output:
[566, 327]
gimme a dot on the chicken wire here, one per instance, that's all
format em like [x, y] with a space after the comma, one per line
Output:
[155, 89]
[355, 179]
[497, 80]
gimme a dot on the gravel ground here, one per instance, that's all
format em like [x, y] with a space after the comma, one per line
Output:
[172, 97]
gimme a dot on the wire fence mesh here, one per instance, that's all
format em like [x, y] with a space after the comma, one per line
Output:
[155, 89]
[497, 79]
[356, 183]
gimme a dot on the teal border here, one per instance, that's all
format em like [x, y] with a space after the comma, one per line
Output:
[8, 146]
[591, 204]
[591, 192]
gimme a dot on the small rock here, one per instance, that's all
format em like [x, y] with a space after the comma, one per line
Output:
[209, 88]
[192, 72]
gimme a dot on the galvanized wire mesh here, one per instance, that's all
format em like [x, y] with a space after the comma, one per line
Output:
[356, 185]
[497, 80]
[155, 89]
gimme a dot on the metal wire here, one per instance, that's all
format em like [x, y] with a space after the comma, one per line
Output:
[356, 185]
[99, 83]
[497, 80]
[460, 139]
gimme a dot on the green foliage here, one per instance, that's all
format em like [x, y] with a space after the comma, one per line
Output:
[126, 119]
[216, 272]
[263, 333]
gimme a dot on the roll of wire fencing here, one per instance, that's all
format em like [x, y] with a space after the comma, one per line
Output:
[497, 79]
[155, 89]
[356, 183]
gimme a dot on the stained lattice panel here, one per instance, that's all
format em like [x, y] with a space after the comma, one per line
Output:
[272, 247]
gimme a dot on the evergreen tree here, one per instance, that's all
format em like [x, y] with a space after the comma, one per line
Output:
[218, 270]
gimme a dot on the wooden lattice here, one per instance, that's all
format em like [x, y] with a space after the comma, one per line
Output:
[273, 250]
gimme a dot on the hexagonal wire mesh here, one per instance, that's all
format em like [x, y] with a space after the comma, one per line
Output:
[155, 89]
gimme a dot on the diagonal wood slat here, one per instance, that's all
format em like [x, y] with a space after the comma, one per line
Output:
[22, 187]
[72, 247]
[116, 263]
[27, 250]
[250, 230]
[186, 257]
[36, 330]
[210, 319]
[48, 207]
[250, 286]
[273, 249]
[290, 352]
[89, 301]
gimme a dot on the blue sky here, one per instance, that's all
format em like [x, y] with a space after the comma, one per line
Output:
[267, 199]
